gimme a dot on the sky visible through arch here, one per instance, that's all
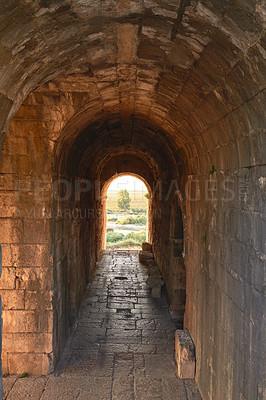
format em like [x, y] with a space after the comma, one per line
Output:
[130, 183]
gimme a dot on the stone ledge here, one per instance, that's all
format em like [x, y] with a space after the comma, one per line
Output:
[147, 247]
[145, 257]
[185, 354]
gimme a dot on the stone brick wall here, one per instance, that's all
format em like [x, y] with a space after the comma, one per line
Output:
[168, 245]
[181, 86]
[224, 254]
[27, 278]
[74, 258]
[48, 256]
[225, 257]
[1, 331]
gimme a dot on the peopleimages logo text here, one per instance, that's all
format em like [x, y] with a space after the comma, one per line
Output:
[63, 190]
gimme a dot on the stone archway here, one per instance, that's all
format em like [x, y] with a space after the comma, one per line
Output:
[104, 196]
[180, 86]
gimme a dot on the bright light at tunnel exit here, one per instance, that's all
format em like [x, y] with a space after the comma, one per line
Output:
[126, 227]
[128, 182]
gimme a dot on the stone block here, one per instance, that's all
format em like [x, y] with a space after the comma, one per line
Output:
[4, 363]
[16, 321]
[20, 321]
[154, 281]
[32, 363]
[151, 264]
[36, 231]
[33, 278]
[8, 209]
[156, 290]
[12, 299]
[41, 300]
[6, 255]
[8, 278]
[147, 247]
[185, 354]
[1, 333]
[27, 255]
[27, 342]
[145, 256]
[17, 145]
[11, 230]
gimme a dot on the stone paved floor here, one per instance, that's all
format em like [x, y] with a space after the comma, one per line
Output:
[122, 347]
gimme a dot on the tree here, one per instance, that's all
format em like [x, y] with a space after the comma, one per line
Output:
[123, 200]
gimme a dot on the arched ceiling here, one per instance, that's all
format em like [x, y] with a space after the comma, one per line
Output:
[188, 71]
[86, 152]
[123, 165]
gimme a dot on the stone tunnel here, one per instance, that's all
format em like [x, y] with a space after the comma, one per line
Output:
[172, 92]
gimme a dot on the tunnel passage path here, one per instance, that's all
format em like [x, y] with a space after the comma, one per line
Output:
[122, 346]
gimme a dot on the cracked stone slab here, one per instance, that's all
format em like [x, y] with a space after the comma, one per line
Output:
[110, 355]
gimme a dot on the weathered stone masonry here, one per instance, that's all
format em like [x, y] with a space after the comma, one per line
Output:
[1, 328]
[172, 92]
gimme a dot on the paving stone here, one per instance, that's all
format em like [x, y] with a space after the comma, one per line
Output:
[148, 388]
[118, 352]
[173, 388]
[123, 389]
[8, 382]
[27, 388]
[142, 348]
[153, 366]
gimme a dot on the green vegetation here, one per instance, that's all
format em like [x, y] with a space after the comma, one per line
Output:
[23, 375]
[139, 236]
[212, 170]
[132, 239]
[138, 201]
[139, 210]
[137, 220]
[123, 200]
[121, 235]
[112, 219]
[112, 237]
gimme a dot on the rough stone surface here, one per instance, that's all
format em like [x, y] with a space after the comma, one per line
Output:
[185, 354]
[154, 281]
[147, 247]
[1, 330]
[172, 92]
[145, 257]
[121, 347]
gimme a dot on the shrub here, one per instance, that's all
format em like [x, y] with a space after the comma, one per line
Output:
[139, 236]
[113, 237]
[112, 219]
[124, 243]
[139, 210]
[138, 220]
[132, 239]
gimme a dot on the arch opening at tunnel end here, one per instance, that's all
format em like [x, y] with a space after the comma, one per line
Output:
[127, 212]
